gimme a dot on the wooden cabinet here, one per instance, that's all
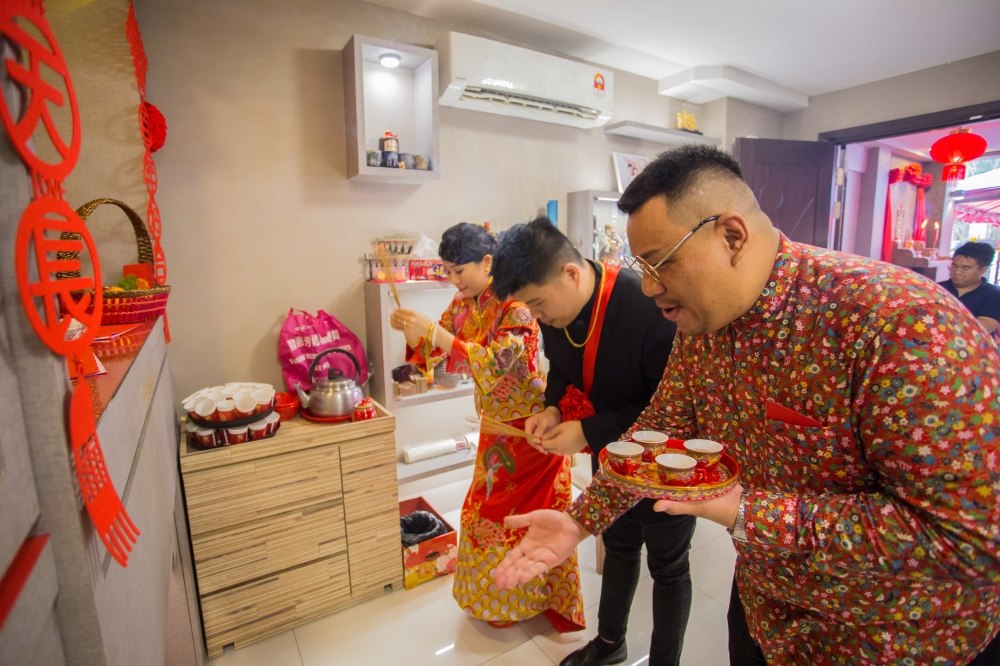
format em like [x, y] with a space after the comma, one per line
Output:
[289, 529]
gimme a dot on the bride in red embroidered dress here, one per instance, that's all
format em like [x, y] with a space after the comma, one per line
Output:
[496, 342]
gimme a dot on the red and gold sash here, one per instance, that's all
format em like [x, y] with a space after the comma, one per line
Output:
[575, 404]
[597, 320]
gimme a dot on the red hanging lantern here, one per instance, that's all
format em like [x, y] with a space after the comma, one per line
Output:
[960, 146]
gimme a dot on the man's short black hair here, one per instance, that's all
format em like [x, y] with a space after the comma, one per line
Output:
[532, 253]
[466, 243]
[980, 252]
[672, 173]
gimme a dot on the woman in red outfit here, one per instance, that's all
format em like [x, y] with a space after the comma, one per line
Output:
[496, 342]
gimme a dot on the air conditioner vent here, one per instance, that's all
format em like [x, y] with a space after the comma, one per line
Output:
[482, 75]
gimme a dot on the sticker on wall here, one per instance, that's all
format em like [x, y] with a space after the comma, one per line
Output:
[599, 85]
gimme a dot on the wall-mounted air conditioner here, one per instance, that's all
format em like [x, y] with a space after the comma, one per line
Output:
[483, 75]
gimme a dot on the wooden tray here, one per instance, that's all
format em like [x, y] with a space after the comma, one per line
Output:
[647, 482]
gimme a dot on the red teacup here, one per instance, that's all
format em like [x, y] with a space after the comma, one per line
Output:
[625, 458]
[205, 437]
[706, 452]
[245, 406]
[226, 410]
[653, 444]
[236, 435]
[258, 430]
[676, 469]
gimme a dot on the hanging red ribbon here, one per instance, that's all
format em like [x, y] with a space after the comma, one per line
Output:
[48, 302]
[888, 241]
[154, 133]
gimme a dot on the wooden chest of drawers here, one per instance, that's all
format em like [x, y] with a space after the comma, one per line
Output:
[292, 528]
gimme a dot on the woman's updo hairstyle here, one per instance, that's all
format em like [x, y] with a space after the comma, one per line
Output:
[466, 243]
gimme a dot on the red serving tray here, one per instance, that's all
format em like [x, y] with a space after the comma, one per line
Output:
[646, 481]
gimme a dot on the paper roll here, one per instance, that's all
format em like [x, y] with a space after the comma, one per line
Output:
[425, 450]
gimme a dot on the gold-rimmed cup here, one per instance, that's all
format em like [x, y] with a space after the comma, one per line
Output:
[705, 451]
[653, 443]
[625, 458]
[676, 468]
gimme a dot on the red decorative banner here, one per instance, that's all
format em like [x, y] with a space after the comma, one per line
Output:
[52, 303]
[154, 132]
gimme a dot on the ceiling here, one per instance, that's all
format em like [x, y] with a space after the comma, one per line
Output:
[809, 47]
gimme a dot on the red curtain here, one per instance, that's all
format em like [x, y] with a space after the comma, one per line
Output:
[895, 175]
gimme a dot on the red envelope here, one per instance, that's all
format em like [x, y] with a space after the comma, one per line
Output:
[775, 412]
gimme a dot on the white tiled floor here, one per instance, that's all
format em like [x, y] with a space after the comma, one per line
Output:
[425, 625]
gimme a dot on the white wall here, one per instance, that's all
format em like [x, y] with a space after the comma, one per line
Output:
[258, 215]
[951, 86]
[728, 119]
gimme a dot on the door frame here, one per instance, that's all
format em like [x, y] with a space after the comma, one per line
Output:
[925, 122]
[975, 113]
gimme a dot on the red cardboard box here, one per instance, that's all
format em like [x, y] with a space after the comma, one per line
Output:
[427, 269]
[432, 558]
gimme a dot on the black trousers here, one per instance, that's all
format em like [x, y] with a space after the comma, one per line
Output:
[743, 651]
[668, 540]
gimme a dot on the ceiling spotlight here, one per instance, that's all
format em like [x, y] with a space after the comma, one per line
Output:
[389, 60]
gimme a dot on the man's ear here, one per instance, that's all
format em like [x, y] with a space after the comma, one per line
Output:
[737, 234]
[573, 273]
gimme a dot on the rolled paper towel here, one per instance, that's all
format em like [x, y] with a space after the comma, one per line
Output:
[472, 441]
[425, 450]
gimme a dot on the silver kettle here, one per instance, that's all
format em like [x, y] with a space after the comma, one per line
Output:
[335, 394]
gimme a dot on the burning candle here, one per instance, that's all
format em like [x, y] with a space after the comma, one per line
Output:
[937, 227]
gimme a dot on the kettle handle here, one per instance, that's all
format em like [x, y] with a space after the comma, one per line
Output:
[357, 366]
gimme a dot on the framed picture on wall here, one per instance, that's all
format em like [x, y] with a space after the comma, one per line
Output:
[627, 167]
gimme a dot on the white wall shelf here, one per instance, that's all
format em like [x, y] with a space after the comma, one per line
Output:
[403, 100]
[406, 472]
[645, 132]
[386, 346]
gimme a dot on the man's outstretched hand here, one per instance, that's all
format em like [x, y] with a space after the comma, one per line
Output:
[551, 538]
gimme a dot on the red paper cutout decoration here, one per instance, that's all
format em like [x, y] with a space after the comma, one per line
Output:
[138, 52]
[154, 128]
[46, 177]
[43, 221]
[154, 133]
[116, 528]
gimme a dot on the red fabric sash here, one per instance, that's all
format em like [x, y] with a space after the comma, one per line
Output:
[600, 308]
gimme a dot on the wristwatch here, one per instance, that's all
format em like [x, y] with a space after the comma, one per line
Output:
[739, 531]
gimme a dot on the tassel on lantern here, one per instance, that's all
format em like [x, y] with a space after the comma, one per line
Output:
[953, 173]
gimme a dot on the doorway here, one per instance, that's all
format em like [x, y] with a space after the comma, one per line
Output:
[842, 186]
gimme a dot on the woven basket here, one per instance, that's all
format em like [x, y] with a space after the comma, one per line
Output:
[123, 307]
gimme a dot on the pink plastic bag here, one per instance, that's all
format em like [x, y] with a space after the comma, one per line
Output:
[304, 336]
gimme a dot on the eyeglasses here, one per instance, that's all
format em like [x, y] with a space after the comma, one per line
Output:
[644, 268]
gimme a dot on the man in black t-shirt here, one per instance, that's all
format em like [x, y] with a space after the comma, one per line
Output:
[617, 357]
[968, 284]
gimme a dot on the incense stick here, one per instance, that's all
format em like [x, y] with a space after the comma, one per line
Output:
[383, 257]
[494, 427]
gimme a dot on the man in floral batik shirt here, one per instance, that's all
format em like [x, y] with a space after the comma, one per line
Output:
[861, 403]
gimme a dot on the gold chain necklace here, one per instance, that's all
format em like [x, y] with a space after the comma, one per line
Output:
[479, 311]
[593, 315]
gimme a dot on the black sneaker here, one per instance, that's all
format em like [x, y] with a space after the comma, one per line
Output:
[590, 654]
